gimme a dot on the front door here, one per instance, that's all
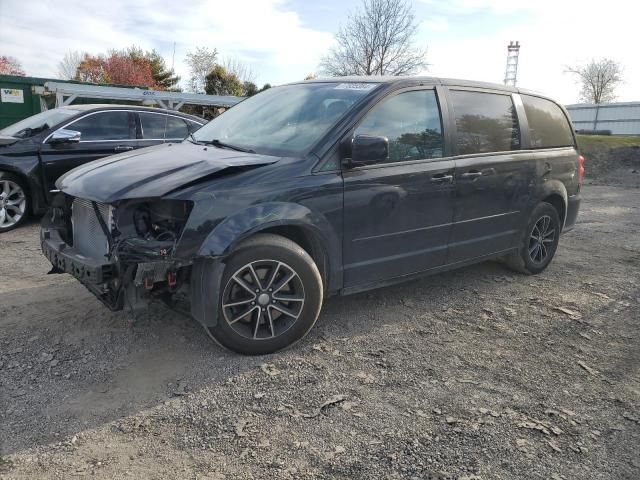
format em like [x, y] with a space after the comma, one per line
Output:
[493, 178]
[102, 133]
[397, 213]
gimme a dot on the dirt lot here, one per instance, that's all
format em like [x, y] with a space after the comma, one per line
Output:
[611, 160]
[479, 373]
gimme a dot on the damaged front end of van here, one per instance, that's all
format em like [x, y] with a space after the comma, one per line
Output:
[131, 227]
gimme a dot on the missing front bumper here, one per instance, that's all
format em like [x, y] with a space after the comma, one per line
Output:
[115, 284]
[66, 260]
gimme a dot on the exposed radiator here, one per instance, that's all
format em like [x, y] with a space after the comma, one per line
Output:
[88, 237]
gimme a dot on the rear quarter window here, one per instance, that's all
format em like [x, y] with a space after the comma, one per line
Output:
[548, 125]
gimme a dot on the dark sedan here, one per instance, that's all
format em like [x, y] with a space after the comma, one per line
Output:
[37, 150]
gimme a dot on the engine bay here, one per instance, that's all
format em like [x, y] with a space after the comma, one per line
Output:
[139, 240]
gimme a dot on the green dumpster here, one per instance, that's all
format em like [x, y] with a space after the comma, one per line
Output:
[17, 100]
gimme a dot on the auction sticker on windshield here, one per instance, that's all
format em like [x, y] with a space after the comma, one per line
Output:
[355, 86]
[11, 95]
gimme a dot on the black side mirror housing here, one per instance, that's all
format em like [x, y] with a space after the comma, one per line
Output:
[368, 149]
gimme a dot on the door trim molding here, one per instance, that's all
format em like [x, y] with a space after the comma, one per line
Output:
[390, 258]
[431, 227]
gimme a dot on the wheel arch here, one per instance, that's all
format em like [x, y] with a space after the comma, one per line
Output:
[559, 204]
[296, 222]
[310, 242]
[31, 202]
[555, 193]
[21, 175]
[33, 191]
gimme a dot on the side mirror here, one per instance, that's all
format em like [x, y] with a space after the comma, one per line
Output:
[65, 136]
[368, 149]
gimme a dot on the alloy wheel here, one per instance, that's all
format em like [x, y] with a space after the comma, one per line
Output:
[263, 299]
[13, 203]
[541, 239]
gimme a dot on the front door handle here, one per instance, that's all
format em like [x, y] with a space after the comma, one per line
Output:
[442, 178]
[123, 148]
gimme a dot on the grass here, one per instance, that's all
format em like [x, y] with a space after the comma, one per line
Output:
[602, 142]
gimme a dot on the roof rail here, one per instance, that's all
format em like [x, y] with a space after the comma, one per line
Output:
[66, 93]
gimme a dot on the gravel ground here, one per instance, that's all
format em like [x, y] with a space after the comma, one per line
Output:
[478, 374]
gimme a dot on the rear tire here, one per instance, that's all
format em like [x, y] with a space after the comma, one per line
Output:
[14, 202]
[538, 243]
[270, 296]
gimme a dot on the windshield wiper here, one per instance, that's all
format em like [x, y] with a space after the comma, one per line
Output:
[219, 144]
[192, 139]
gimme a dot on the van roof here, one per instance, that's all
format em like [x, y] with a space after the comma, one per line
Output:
[416, 80]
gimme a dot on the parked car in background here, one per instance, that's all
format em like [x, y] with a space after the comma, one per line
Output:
[319, 188]
[37, 150]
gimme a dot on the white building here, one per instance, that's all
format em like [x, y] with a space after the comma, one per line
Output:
[621, 118]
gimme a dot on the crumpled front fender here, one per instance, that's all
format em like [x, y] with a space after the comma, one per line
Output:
[236, 228]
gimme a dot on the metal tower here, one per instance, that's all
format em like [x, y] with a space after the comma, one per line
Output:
[513, 50]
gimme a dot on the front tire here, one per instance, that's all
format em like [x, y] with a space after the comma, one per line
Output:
[14, 202]
[539, 242]
[270, 296]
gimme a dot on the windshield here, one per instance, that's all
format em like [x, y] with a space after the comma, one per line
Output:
[285, 120]
[37, 123]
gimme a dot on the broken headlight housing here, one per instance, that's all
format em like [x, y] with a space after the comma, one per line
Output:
[149, 230]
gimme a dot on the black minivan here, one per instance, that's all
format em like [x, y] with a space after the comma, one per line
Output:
[318, 188]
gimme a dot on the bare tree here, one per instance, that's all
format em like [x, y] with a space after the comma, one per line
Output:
[598, 80]
[377, 40]
[235, 66]
[200, 63]
[68, 66]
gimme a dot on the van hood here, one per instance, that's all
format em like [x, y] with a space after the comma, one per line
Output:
[8, 140]
[152, 172]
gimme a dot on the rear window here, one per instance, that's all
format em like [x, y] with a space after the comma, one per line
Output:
[176, 129]
[485, 122]
[153, 125]
[548, 125]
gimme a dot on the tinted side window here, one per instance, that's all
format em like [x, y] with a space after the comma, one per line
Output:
[104, 126]
[411, 122]
[153, 125]
[485, 122]
[176, 129]
[548, 125]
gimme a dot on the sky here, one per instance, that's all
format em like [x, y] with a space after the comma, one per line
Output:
[284, 40]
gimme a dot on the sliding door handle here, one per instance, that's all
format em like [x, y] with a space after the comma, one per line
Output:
[441, 178]
[471, 175]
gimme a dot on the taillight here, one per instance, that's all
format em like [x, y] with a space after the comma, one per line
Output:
[580, 169]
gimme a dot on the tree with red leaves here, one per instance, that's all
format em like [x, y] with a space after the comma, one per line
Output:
[91, 69]
[127, 71]
[118, 68]
[10, 66]
[131, 66]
